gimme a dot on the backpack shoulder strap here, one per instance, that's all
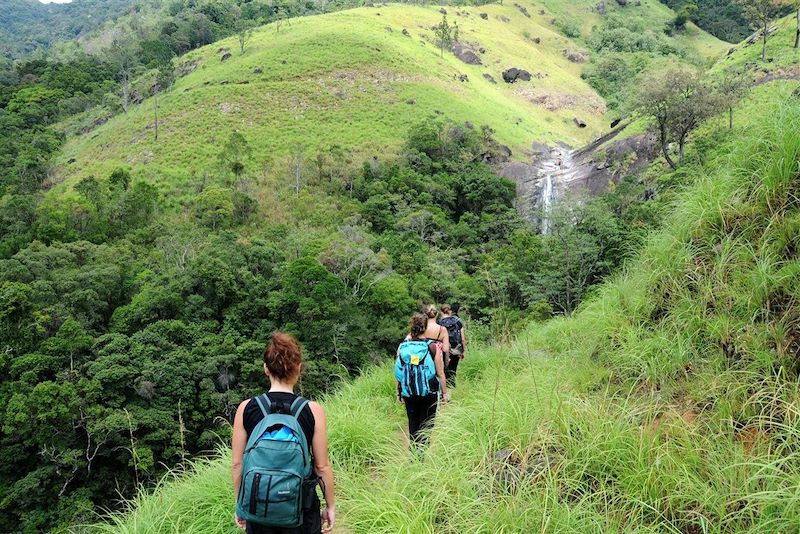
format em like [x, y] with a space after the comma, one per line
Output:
[298, 406]
[264, 404]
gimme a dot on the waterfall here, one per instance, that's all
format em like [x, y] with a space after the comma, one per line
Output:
[547, 199]
[551, 169]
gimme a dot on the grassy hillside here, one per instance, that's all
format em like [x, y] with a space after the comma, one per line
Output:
[353, 79]
[782, 57]
[667, 404]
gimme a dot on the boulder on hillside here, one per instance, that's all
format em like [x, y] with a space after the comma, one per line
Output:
[258, 70]
[503, 18]
[484, 16]
[406, 33]
[575, 57]
[186, 67]
[463, 78]
[537, 40]
[623, 3]
[226, 54]
[443, 11]
[615, 122]
[580, 123]
[513, 74]
[466, 54]
[523, 10]
[601, 7]
[488, 77]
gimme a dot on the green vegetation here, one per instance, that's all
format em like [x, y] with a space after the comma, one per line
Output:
[28, 25]
[160, 215]
[667, 403]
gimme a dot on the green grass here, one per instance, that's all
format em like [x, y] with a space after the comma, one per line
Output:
[668, 403]
[345, 79]
[781, 55]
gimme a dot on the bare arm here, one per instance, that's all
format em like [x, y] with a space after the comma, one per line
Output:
[239, 442]
[322, 464]
[463, 340]
[445, 339]
[439, 361]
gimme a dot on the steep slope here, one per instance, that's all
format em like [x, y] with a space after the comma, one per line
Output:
[667, 404]
[783, 58]
[354, 79]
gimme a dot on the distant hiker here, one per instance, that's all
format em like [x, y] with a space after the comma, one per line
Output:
[436, 332]
[419, 371]
[277, 438]
[457, 338]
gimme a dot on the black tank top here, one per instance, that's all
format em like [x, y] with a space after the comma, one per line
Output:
[252, 415]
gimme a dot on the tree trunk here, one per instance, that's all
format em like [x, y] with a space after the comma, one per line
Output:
[764, 42]
[664, 149]
[125, 84]
[797, 32]
[155, 108]
[730, 118]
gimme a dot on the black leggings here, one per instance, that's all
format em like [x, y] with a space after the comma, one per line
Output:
[420, 411]
[450, 370]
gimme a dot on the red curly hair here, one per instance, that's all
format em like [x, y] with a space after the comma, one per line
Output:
[283, 356]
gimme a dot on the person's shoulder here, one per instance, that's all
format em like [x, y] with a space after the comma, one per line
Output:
[316, 409]
[243, 406]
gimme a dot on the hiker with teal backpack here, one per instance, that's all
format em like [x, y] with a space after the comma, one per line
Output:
[419, 371]
[280, 453]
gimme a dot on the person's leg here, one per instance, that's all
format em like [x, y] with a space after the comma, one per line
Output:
[450, 372]
[414, 417]
[427, 412]
[312, 520]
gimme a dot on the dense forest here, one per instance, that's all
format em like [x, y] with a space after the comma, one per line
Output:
[130, 335]
[130, 327]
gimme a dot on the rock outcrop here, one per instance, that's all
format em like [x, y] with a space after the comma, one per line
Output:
[513, 74]
[466, 54]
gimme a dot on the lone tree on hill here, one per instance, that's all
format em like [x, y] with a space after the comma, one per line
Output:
[678, 100]
[732, 87]
[444, 34]
[760, 13]
[235, 154]
[244, 31]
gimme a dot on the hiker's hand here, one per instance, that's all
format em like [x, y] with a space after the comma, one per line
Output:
[446, 396]
[400, 399]
[329, 518]
[241, 523]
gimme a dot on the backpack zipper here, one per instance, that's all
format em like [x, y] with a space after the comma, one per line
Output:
[254, 493]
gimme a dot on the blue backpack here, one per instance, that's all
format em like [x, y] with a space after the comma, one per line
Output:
[276, 462]
[415, 369]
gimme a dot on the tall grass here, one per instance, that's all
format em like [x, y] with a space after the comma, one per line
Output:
[669, 403]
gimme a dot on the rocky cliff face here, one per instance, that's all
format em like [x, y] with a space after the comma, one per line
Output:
[552, 172]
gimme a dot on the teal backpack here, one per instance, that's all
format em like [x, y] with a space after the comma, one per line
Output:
[276, 462]
[415, 369]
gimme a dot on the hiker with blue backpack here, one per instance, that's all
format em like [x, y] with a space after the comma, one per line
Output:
[419, 371]
[280, 453]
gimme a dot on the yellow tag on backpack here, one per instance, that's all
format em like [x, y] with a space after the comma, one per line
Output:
[414, 360]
